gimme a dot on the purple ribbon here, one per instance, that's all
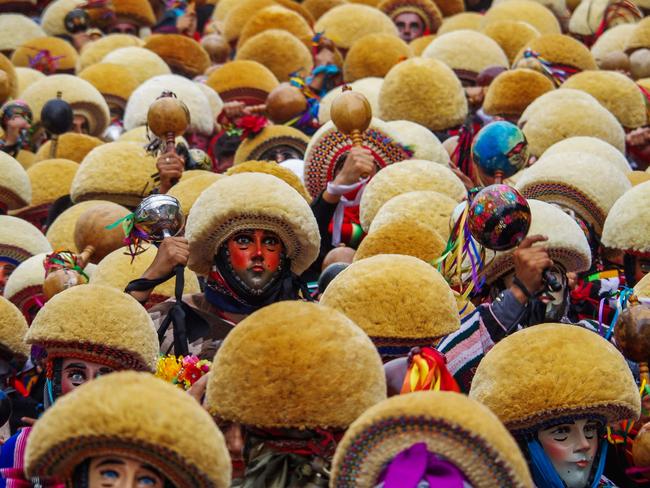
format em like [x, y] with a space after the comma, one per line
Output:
[416, 464]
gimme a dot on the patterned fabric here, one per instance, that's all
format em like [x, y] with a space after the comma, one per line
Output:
[12, 464]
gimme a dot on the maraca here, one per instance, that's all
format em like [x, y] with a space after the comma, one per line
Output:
[56, 117]
[499, 219]
[95, 240]
[500, 150]
[168, 118]
[351, 113]
[284, 103]
[632, 333]
[160, 216]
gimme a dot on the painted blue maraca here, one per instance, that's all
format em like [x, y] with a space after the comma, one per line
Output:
[500, 149]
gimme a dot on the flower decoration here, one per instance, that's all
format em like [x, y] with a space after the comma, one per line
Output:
[182, 371]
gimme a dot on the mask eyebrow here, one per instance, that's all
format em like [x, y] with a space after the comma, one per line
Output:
[76, 366]
[111, 461]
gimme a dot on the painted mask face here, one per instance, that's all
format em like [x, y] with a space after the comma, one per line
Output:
[234, 436]
[556, 302]
[255, 257]
[641, 267]
[80, 124]
[571, 449]
[76, 372]
[7, 266]
[124, 28]
[122, 472]
[409, 25]
[281, 153]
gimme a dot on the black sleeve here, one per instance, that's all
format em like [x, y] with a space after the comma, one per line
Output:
[324, 212]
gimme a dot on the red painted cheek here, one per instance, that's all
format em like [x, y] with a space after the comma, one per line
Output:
[557, 452]
[240, 258]
[271, 259]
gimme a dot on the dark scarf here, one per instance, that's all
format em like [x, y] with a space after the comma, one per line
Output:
[227, 293]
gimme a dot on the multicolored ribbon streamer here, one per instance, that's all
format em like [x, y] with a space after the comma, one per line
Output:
[134, 235]
[427, 371]
[61, 259]
[558, 72]
[622, 298]
[44, 62]
[461, 245]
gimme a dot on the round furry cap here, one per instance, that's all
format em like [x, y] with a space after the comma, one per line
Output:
[461, 21]
[406, 236]
[528, 11]
[98, 323]
[420, 140]
[138, 12]
[318, 7]
[13, 328]
[143, 64]
[560, 49]
[298, 8]
[588, 16]
[567, 244]
[550, 119]
[26, 77]
[10, 71]
[276, 17]
[425, 91]
[60, 233]
[467, 52]
[374, 55]
[427, 207]
[328, 145]
[182, 54]
[248, 81]
[53, 18]
[201, 119]
[15, 186]
[216, 104]
[614, 39]
[419, 44]
[616, 92]
[512, 91]
[566, 179]
[271, 136]
[114, 414]
[640, 37]
[336, 24]
[188, 190]
[239, 14]
[538, 375]
[119, 172]
[591, 145]
[279, 51]
[65, 54]
[51, 179]
[20, 240]
[251, 200]
[397, 300]
[72, 146]
[321, 370]
[511, 35]
[16, 29]
[26, 158]
[454, 427]
[404, 177]
[427, 10]
[223, 8]
[95, 51]
[84, 98]
[628, 223]
[117, 270]
[368, 87]
[114, 81]
[274, 169]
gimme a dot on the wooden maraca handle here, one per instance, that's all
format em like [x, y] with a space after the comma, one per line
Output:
[86, 254]
[644, 372]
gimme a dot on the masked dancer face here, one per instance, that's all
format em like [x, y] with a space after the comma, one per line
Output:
[409, 25]
[571, 448]
[121, 472]
[255, 257]
[76, 372]
[281, 153]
